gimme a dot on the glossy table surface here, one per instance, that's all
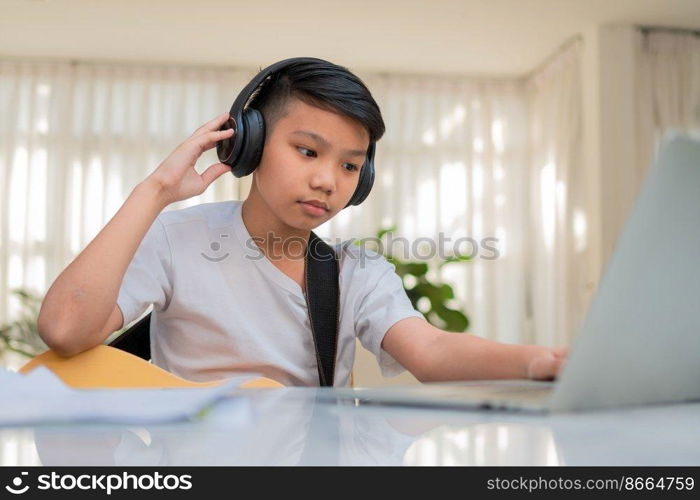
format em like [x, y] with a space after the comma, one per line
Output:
[308, 426]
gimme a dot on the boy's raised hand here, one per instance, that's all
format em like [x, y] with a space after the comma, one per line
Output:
[176, 175]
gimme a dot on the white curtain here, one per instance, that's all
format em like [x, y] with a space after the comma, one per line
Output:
[452, 165]
[562, 197]
[560, 201]
[668, 88]
[75, 139]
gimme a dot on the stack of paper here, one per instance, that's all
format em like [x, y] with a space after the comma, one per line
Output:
[41, 397]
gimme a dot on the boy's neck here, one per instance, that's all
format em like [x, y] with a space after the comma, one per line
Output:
[270, 234]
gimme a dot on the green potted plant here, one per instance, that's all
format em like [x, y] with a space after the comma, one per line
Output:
[22, 335]
[430, 298]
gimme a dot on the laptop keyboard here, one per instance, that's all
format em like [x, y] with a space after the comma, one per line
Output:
[490, 393]
[506, 395]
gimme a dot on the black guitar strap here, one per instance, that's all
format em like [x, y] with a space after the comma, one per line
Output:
[322, 301]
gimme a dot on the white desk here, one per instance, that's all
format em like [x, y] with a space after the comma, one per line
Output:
[290, 426]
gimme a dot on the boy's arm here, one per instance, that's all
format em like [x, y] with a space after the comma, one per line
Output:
[83, 297]
[79, 309]
[433, 355]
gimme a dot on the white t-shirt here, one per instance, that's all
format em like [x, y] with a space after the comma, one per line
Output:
[220, 306]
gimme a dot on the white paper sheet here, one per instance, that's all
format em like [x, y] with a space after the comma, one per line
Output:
[41, 397]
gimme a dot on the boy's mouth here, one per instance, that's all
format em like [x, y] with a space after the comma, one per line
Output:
[316, 203]
[314, 207]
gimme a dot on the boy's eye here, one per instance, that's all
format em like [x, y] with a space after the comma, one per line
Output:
[310, 153]
[307, 152]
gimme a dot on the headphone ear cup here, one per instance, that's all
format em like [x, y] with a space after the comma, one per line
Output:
[364, 185]
[253, 142]
[228, 150]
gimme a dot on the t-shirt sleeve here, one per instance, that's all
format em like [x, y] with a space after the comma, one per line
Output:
[382, 303]
[148, 278]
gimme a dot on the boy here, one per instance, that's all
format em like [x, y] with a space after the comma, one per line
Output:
[227, 279]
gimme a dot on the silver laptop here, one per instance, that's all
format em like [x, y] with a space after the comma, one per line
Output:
[640, 341]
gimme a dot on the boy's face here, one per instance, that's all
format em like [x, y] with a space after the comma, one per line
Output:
[311, 154]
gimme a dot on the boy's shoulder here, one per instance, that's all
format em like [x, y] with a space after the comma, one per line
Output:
[212, 214]
[358, 256]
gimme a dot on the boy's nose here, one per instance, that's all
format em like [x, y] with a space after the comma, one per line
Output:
[323, 178]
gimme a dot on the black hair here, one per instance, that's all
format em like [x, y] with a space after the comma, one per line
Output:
[321, 84]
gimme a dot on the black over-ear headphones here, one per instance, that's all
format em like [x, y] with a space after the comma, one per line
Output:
[243, 151]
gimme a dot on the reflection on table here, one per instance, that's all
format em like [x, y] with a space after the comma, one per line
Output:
[295, 426]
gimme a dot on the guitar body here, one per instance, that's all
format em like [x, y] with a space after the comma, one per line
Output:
[108, 367]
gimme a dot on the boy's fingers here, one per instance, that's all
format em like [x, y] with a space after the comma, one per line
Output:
[556, 368]
[553, 368]
[561, 352]
[208, 140]
[212, 125]
[213, 172]
[545, 367]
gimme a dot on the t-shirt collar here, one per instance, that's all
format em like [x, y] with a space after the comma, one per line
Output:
[255, 255]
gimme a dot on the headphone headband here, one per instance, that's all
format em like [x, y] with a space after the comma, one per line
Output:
[244, 96]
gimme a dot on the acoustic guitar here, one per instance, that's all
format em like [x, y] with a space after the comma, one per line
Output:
[108, 367]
